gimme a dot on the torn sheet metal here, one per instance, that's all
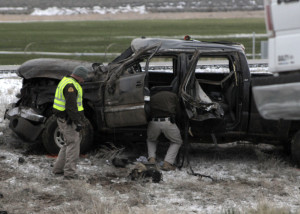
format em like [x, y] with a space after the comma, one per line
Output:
[26, 113]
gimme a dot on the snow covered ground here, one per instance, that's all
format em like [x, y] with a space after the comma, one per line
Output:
[10, 85]
[71, 7]
[247, 178]
[53, 11]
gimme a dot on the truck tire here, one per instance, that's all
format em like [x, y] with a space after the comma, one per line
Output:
[53, 139]
[295, 148]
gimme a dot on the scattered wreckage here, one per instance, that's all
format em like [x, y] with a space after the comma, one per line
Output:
[216, 104]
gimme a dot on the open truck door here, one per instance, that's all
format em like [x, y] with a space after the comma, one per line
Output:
[127, 96]
[201, 110]
[125, 104]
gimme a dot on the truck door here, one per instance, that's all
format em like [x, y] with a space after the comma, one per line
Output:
[125, 102]
[204, 114]
[127, 95]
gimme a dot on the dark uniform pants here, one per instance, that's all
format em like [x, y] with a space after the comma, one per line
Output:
[69, 154]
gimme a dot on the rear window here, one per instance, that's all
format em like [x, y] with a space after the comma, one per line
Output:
[213, 65]
[160, 64]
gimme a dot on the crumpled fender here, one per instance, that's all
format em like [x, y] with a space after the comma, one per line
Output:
[50, 68]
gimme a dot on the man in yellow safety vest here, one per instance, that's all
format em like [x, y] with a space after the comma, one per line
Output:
[68, 107]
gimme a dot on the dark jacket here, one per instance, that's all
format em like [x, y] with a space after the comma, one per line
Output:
[164, 104]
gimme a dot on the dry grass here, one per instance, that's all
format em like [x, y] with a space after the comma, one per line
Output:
[108, 151]
[269, 162]
[1, 137]
[266, 207]
[97, 207]
[263, 207]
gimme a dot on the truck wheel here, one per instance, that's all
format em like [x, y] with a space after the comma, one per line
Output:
[53, 139]
[295, 148]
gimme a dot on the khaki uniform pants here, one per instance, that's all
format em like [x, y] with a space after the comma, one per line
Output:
[171, 132]
[69, 154]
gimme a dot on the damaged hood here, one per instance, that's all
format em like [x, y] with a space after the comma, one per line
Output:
[50, 68]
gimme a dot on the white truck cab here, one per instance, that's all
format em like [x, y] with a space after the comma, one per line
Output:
[283, 28]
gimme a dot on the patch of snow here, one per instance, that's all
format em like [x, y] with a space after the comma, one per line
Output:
[12, 181]
[52, 11]
[13, 8]
[259, 69]
[8, 90]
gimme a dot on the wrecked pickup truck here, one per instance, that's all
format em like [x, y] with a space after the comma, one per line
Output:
[216, 101]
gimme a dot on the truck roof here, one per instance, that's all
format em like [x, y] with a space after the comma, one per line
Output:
[177, 45]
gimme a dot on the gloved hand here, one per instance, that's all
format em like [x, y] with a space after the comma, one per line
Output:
[78, 127]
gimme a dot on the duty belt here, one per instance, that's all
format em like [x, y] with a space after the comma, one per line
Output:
[159, 119]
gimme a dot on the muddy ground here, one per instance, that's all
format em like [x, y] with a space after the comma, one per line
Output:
[244, 178]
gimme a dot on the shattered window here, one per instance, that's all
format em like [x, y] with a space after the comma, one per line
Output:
[133, 69]
[162, 71]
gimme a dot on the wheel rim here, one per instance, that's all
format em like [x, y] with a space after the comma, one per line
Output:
[59, 138]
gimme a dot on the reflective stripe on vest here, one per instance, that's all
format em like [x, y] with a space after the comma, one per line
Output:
[59, 99]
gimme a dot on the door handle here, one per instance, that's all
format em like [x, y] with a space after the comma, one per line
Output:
[138, 84]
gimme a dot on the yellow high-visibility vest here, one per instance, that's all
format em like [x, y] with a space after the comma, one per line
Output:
[59, 99]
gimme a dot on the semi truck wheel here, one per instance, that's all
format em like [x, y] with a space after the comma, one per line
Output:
[53, 139]
[295, 148]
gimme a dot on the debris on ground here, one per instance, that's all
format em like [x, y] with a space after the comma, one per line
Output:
[146, 171]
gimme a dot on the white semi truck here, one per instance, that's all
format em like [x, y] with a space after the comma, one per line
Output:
[283, 28]
[278, 97]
